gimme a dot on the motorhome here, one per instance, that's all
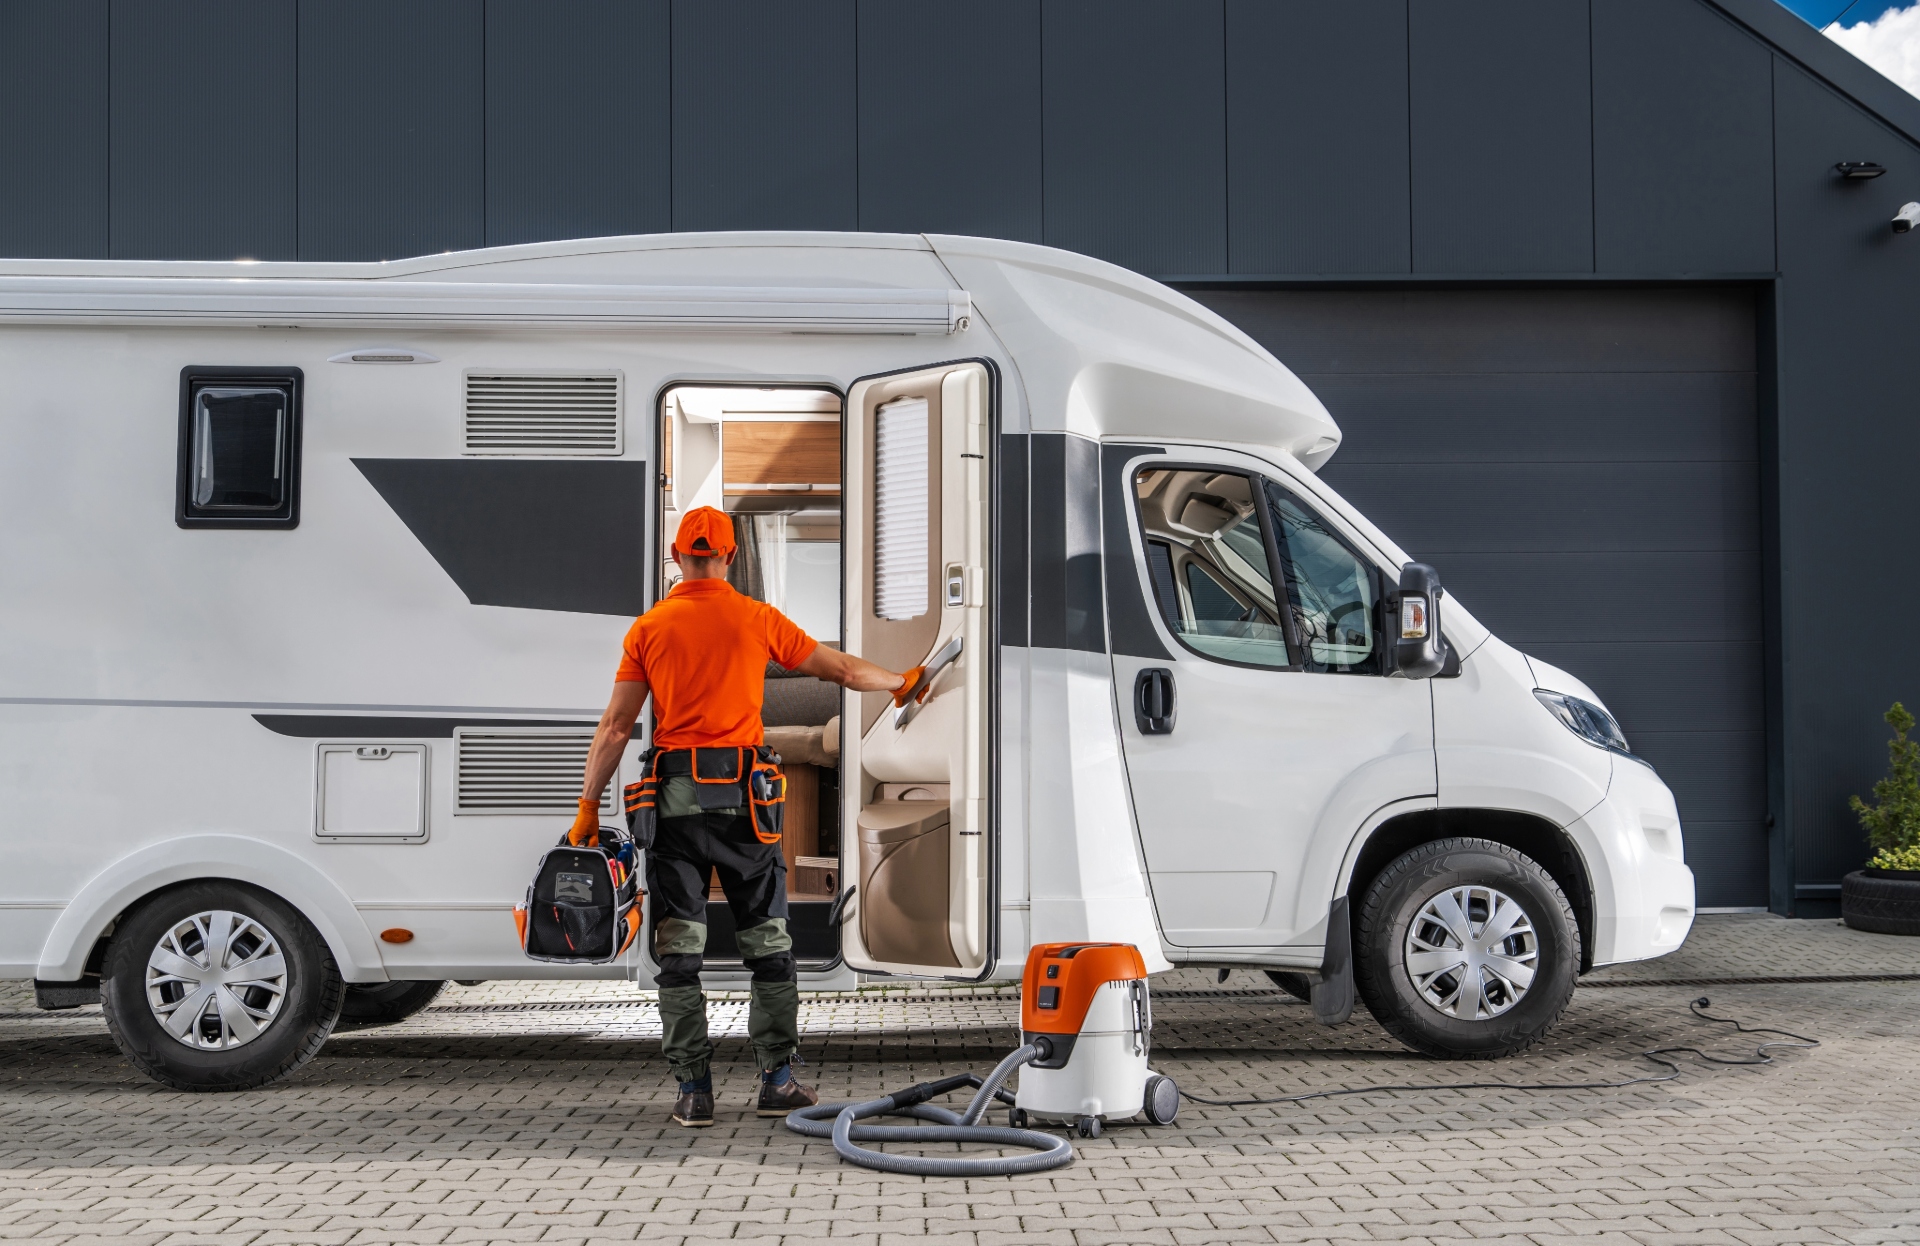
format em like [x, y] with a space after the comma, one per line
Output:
[315, 577]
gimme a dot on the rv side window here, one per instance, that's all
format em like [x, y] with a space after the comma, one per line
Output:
[1330, 590]
[1207, 561]
[239, 448]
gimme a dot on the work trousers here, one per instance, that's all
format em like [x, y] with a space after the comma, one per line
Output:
[690, 847]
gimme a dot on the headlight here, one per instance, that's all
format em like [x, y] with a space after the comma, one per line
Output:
[1586, 720]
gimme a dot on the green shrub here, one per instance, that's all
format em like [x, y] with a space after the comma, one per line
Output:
[1896, 859]
[1893, 820]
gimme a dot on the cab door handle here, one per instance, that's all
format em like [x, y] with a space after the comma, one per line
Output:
[1154, 702]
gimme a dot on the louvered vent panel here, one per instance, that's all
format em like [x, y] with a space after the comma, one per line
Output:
[529, 770]
[543, 414]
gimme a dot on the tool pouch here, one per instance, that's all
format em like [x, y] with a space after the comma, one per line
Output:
[717, 775]
[584, 905]
[643, 803]
[767, 791]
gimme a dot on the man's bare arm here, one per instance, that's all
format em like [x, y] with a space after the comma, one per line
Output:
[849, 671]
[616, 728]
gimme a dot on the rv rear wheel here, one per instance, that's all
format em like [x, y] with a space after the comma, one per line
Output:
[218, 986]
[1466, 949]
[383, 1003]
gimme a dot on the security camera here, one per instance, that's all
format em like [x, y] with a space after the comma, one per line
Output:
[1906, 218]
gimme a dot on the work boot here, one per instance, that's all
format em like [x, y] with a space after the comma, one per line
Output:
[781, 1092]
[694, 1107]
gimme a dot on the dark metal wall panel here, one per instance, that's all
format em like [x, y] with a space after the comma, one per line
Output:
[1682, 141]
[950, 118]
[1136, 133]
[204, 125]
[1502, 136]
[579, 142]
[1848, 444]
[1583, 468]
[1317, 137]
[764, 120]
[392, 119]
[53, 139]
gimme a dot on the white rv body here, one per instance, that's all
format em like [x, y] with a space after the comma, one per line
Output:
[140, 657]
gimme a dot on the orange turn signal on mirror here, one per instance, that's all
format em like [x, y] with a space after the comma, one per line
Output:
[396, 935]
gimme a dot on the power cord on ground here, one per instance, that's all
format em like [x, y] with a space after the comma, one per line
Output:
[1659, 1055]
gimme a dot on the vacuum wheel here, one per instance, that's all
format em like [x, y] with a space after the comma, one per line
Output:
[1088, 1127]
[1017, 1118]
[1162, 1100]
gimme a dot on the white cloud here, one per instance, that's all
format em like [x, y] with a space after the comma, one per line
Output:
[1890, 43]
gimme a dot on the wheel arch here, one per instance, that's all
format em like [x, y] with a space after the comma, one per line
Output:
[1548, 844]
[108, 895]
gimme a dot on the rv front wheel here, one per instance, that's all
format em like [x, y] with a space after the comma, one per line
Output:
[218, 986]
[1466, 949]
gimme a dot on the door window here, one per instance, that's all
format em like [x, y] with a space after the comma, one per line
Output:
[1207, 560]
[1331, 591]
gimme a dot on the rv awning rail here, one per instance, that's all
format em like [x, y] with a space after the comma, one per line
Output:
[366, 304]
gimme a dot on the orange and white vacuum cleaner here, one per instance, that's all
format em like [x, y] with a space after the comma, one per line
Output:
[1087, 1026]
[1088, 1004]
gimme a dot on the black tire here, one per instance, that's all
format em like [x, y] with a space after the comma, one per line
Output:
[1297, 985]
[1880, 905]
[383, 1003]
[306, 1010]
[1399, 894]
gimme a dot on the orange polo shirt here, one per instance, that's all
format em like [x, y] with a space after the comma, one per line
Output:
[703, 650]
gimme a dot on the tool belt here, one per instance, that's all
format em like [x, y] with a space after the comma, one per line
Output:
[727, 777]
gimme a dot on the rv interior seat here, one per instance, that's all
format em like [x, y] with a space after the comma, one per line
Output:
[813, 746]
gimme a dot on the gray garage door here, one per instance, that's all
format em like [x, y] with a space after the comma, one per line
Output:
[1583, 468]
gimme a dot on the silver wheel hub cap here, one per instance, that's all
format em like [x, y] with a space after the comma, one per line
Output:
[216, 980]
[1472, 952]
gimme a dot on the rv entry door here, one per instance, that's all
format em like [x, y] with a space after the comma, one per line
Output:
[1261, 743]
[917, 839]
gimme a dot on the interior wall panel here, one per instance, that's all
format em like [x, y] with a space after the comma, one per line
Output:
[1502, 136]
[203, 162]
[764, 119]
[392, 124]
[928, 162]
[1317, 137]
[54, 137]
[1582, 466]
[579, 138]
[1136, 161]
[1682, 141]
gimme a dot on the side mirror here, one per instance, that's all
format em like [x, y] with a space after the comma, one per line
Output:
[1418, 650]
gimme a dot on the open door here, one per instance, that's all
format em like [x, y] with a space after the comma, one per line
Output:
[918, 841]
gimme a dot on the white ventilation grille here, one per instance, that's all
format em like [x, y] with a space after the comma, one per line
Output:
[522, 770]
[900, 509]
[543, 414]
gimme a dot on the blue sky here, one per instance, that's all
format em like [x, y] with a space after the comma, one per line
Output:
[1823, 13]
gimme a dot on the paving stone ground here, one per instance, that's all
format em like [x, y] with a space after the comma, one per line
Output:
[537, 1112]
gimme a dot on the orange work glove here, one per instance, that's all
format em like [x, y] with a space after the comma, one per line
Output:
[586, 826]
[907, 681]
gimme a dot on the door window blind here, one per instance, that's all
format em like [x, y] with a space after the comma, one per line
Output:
[900, 586]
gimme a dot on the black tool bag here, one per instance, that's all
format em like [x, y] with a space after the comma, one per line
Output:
[584, 905]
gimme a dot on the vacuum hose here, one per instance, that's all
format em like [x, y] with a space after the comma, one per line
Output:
[846, 1133]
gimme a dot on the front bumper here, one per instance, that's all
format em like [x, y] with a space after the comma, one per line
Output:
[1643, 890]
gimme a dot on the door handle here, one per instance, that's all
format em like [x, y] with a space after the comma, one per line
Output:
[935, 664]
[1154, 702]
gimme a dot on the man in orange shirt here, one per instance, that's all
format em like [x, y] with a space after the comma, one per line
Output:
[702, 653]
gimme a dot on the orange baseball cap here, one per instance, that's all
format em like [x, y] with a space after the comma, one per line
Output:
[704, 533]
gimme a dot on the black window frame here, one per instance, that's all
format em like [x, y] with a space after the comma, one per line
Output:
[284, 516]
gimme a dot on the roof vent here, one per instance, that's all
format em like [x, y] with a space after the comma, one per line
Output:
[524, 770]
[576, 414]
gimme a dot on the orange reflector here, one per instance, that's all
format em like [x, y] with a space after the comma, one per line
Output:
[396, 935]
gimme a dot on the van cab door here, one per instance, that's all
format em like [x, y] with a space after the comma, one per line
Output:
[917, 845]
[1259, 746]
